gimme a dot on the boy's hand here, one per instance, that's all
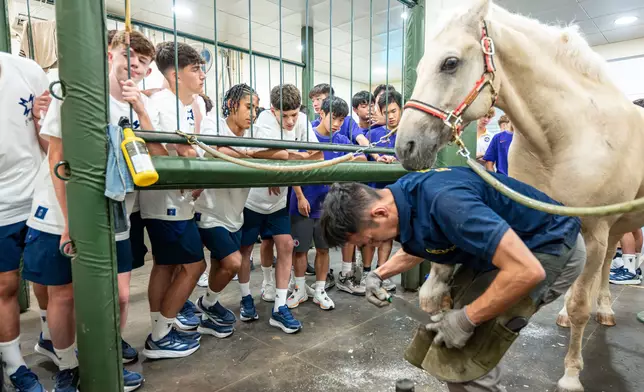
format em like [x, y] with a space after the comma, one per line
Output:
[132, 95]
[274, 190]
[41, 104]
[303, 206]
[386, 158]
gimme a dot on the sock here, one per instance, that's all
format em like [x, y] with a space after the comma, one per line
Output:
[366, 269]
[300, 282]
[44, 327]
[154, 317]
[268, 273]
[245, 289]
[319, 286]
[162, 328]
[638, 260]
[280, 298]
[11, 355]
[630, 262]
[210, 298]
[67, 357]
[347, 268]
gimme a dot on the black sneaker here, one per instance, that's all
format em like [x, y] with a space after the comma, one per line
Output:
[309, 270]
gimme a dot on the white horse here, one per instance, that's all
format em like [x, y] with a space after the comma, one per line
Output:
[578, 139]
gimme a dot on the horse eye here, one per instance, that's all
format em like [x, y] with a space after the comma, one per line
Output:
[450, 64]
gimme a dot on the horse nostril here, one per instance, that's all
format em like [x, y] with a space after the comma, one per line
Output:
[411, 146]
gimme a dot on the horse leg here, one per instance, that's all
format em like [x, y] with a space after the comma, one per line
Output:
[605, 315]
[434, 294]
[578, 306]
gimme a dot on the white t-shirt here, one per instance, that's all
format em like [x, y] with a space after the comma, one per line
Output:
[222, 207]
[482, 143]
[268, 127]
[169, 205]
[46, 214]
[21, 82]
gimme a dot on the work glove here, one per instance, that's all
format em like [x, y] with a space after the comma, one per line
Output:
[453, 328]
[374, 291]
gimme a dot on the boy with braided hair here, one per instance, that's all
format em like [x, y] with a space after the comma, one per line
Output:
[220, 216]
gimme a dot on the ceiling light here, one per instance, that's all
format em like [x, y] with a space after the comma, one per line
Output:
[181, 10]
[379, 71]
[625, 20]
[404, 15]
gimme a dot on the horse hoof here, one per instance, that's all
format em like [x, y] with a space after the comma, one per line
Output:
[563, 321]
[569, 384]
[605, 319]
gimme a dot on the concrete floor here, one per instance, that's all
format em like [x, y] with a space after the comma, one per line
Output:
[359, 347]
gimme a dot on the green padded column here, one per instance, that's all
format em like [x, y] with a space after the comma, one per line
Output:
[5, 28]
[448, 155]
[82, 29]
[307, 72]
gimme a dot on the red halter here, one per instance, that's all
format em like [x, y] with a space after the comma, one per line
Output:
[454, 118]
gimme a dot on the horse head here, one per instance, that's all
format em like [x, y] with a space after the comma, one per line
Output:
[452, 65]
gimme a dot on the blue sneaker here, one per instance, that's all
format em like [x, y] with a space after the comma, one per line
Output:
[24, 380]
[247, 311]
[66, 380]
[284, 320]
[186, 318]
[129, 353]
[217, 313]
[132, 380]
[45, 348]
[172, 345]
[194, 335]
[208, 327]
[624, 276]
[194, 307]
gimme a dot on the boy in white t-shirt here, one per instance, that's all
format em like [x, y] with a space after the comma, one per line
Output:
[22, 81]
[48, 223]
[266, 211]
[168, 215]
[220, 216]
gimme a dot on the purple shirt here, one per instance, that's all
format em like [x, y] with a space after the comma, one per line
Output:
[315, 194]
[349, 128]
[497, 151]
[376, 134]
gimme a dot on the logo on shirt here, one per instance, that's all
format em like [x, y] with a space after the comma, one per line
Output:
[191, 117]
[136, 124]
[41, 212]
[440, 251]
[486, 139]
[28, 105]
[171, 212]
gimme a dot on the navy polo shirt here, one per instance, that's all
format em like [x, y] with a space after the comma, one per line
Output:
[451, 216]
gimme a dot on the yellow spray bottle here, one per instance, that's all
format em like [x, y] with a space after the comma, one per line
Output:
[137, 156]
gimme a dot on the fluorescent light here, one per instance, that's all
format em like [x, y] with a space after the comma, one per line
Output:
[625, 20]
[379, 71]
[404, 15]
[181, 10]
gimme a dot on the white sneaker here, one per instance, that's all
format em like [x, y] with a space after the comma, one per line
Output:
[268, 291]
[295, 299]
[236, 277]
[322, 299]
[310, 291]
[203, 280]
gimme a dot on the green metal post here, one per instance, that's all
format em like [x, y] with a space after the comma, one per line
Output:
[81, 28]
[308, 71]
[5, 28]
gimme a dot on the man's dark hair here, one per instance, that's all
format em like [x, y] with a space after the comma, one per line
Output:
[322, 88]
[138, 42]
[382, 87]
[639, 102]
[336, 105]
[291, 98]
[362, 98]
[187, 56]
[207, 101]
[388, 97]
[303, 109]
[504, 120]
[344, 211]
[234, 96]
[110, 36]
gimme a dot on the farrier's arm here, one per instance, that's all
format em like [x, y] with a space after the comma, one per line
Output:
[519, 273]
[400, 262]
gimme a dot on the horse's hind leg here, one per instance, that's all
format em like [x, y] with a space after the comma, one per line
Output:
[578, 306]
[605, 315]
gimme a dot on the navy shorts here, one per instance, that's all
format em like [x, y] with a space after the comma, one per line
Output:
[123, 256]
[43, 262]
[174, 242]
[268, 225]
[12, 243]
[220, 242]
[137, 240]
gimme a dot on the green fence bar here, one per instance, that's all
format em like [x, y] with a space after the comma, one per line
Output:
[308, 71]
[5, 28]
[169, 137]
[81, 28]
[189, 173]
[204, 40]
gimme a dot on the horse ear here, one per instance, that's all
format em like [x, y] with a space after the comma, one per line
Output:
[477, 13]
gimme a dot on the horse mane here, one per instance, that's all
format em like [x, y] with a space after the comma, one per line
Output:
[566, 43]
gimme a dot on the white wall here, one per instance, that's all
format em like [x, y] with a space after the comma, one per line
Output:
[620, 50]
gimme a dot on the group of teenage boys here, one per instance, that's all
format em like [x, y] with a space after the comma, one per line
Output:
[179, 223]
